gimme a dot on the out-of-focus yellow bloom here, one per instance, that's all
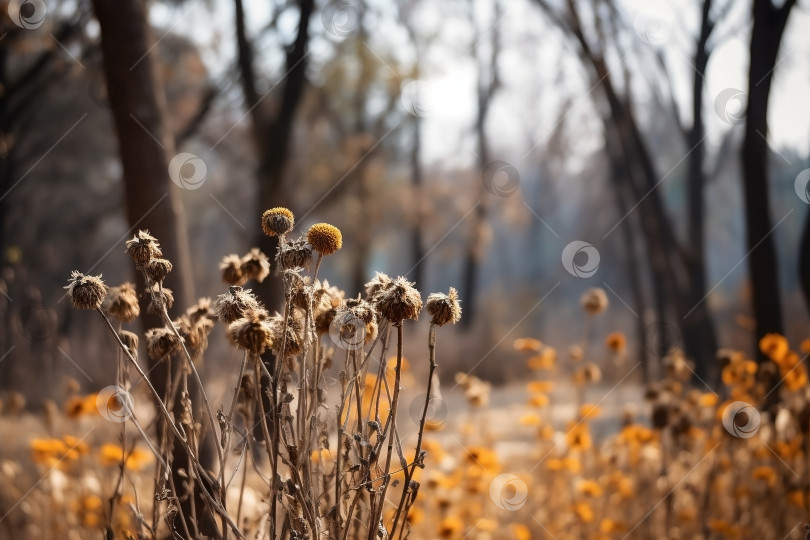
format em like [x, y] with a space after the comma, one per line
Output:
[112, 454]
[528, 344]
[89, 510]
[609, 526]
[538, 400]
[708, 400]
[805, 346]
[450, 526]
[483, 458]
[774, 346]
[77, 406]
[796, 498]
[588, 411]
[616, 342]
[686, 514]
[520, 532]
[544, 360]
[590, 488]
[540, 387]
[416, 516]
[546, 433]
[768, 474]
[584, 512]
[570, 464]
[578, 437]
[486, 525]
[530, 419]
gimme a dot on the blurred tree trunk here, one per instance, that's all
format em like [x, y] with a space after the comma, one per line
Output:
[766, 35]
[273, 133]
[137, 106]
[488, 83]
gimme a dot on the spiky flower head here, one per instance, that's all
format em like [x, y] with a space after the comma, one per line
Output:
[379, 282]
[399, 301]
[157, 269]
[160, 342]
[235, 304]
[143, 247]
[295, 254]
[130, 340]
[231, 270]
[594, 301]
[255, 265]
[444, 308]
[251, 333]
[277, 221]
[86, 292]
[325, 238]
[162, 297]
[122, 302]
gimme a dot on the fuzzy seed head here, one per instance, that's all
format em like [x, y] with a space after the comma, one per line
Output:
[86, 292]
[143, 247]
[277, 221]
[161, 298]
[255, 265]
[231, 270]
[130, 339]
[444, 308]
[378, 283]
[251, 333]
[157, 270]
[160, 342]
[295, 254]
[594, 301]
[235, 304]
[399, 301]
[325, 238]
[122, 302]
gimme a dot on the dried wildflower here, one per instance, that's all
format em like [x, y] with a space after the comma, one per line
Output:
[194, 332]
[235, 304]
[162, 297]
[277, 221]
[86, 292]
[324, 238]
[296, 287]
[616, 342]
[251, 333]
[774, 346]
[160, 342]
[231, 270]
[255, 265]
[122, 302]
[157, 270]
[594, 301]
[676, 366]
[399, 301]
[294, 340]
[203, 309]
[378, 283]
[143, 247]
[130, 340]
[295, 254]
[444, 308]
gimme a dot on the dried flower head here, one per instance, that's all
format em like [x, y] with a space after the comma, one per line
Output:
[130, 340]
[293, 341]
[277, 221]
[157, 270]
[251, 333]
[194, 332]
[231, 267]
[162, 297]
[86, 292]
[295, 254]
[399, 301]
[122, 302]
[203, 309]
[235, 304]
[594, 301]
[255, 265]
[325, 238]
[616, 342]
[378, 283]
[160, 342]
[444, 308]
[143, 247]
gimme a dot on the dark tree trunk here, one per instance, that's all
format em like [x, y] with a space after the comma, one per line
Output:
[417, 241]
[766, 35]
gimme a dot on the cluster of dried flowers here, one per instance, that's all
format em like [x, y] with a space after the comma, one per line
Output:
[331, 462]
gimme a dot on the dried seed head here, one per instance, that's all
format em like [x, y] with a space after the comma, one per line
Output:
[160, 298]
[294, 339]
[143, 247]
[323, 320]
[277, 221]
[378, 283]
[194, 333]
[235, 304]
[86, 292]
[255, 265]
[324, 238]
[399, 301]
[444, 308]
[251, 333]
[295, 254]
[203, 309]
[160, 342]
[157, 270]
[594, 301]
[371, 332]
[361, 309]
[122, 302]
[130, 339]
[231, 270]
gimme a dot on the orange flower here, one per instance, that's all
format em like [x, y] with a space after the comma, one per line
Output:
[540, 387]
[774, 346]
[616, 342]
[578, 437]
[527, 344]
[590, 488]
